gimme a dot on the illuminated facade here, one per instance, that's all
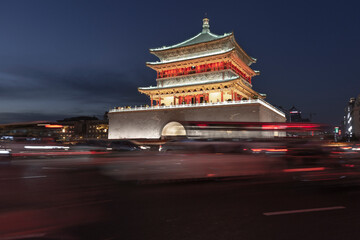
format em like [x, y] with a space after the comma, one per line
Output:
[80, 128]
[351, 122]
[205, 78]
[207, 68]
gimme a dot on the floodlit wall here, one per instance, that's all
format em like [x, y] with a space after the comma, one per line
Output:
[150, 123]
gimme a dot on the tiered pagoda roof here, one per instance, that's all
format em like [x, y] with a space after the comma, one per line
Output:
[194, 45]
[204, 36]
[205, 59]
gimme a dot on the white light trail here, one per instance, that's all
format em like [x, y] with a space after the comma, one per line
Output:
[46, 147]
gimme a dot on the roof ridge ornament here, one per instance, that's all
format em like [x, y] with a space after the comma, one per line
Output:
[206, 26]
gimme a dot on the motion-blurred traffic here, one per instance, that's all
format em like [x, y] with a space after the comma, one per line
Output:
[67, 190]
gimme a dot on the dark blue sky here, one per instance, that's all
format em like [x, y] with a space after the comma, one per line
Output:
[70, 58]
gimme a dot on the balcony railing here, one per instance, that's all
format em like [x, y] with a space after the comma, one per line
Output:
[225, 103]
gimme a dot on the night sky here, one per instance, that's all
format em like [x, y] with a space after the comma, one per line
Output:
[73, 58]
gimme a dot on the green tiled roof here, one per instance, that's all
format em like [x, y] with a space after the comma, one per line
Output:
[204, 36]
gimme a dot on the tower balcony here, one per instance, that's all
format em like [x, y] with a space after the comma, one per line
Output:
[200, 78]
[197, 105]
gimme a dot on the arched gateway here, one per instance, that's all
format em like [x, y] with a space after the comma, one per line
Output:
[173, 129]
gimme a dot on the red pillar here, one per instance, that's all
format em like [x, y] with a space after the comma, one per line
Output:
[222, 96]
[198, 98]
[151, 99]
[159, 101]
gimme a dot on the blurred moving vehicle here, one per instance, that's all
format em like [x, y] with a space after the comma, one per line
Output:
[4, 153]
[319, 161]
[105, 145]
[122, 145]
[300, 159]
[202, 145]
[26, 147]
[238, 146]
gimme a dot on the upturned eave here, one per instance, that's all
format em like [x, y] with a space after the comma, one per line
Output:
[184, 43]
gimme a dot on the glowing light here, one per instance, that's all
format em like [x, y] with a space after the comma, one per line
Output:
[4, 152]
[210, 67]
[46, 147]
[273, 127]
[304, 169]
[57, 153]
[144, 147]
[290, 126]
[343, 152]
[53, 126]
[345, 147]
[269, 149]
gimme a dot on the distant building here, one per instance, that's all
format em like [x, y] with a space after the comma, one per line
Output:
[97, 129]
[351, 121]
[68, 129]
[294, 115]
[205, 78]
[37, 129]
[83, 127]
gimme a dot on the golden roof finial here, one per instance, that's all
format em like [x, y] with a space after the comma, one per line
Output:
[206, 26]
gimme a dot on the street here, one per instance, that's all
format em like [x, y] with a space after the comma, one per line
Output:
[56, 199]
